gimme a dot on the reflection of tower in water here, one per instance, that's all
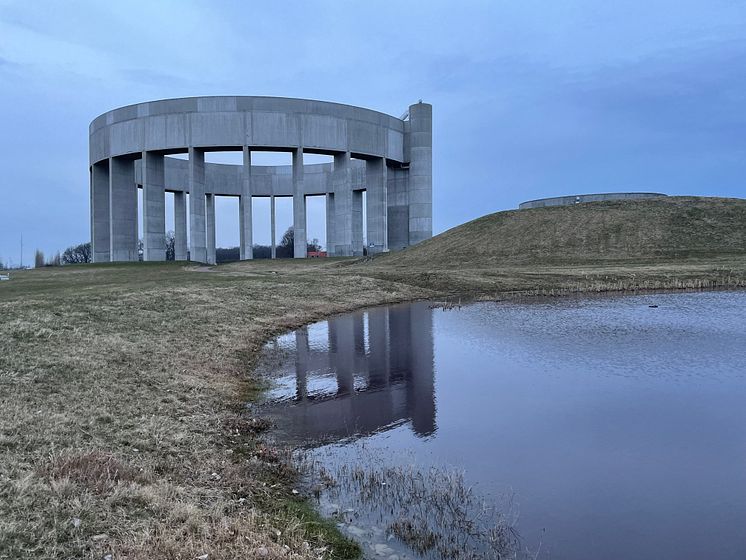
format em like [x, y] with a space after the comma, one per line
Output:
[384, 375]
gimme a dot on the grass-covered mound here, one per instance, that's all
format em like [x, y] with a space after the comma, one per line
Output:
[667, 227]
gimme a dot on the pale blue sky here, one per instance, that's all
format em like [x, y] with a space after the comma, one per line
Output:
[530, 98]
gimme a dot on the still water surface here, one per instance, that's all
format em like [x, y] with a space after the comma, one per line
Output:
[617, 429]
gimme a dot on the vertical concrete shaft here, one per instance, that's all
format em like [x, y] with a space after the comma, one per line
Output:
[210, 228]
[331, 221]
[342, 185]
[123, 209]
[376, 181]
[420, 172]
[397, 199]
[153, 207]
[180, 226]
[100, 208]
[197, 231]
[273, 226]
[245, 209]
[300, 244]
[357, 223]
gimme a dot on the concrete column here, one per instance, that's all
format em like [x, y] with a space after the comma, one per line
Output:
[376, 181]
[210, 228]
[245, 209]
[357, 223]
[197, 231]
[299, 207]
[420, 172]
[342, 185]
[274, 227]
[153, 207]
[331, 220]
[123, 209]
[100, 222]
[180, 226]
[397, 199]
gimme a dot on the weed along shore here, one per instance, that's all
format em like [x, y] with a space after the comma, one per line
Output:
[123, 422]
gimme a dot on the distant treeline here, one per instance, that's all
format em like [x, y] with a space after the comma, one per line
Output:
[284, 250]
[79, 254]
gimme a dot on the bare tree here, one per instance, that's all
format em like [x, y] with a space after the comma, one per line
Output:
[286, 248]
[77, 254]
[56, 260]
[170, 246]
[38, 258]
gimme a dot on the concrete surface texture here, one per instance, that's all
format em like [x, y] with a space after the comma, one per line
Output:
[389, 158]
[569, 200]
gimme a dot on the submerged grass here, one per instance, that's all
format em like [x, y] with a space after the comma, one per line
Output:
[123, 428]
[430, 509]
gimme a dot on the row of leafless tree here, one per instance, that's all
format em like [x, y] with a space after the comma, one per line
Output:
[79, 254]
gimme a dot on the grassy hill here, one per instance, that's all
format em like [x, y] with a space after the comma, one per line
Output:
[670, 227]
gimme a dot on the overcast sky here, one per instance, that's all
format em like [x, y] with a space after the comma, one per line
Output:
[530, 98]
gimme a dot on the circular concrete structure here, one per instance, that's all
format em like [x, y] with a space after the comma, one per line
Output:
[388, 157]
[580, 198]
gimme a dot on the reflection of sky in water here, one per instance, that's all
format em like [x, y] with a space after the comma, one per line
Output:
[621, 428]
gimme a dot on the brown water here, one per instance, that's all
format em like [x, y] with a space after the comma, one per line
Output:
[605, 427]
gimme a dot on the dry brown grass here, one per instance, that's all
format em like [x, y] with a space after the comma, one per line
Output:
[122, 425]
[121, 391]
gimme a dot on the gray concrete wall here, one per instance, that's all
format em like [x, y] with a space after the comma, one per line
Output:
[122, 210]
[580, 198]
[153, 206]
[389, 158]
[420, 187]
[180, 226]
[100, 229]
[197, 231]
[266, 122]
[398, 209]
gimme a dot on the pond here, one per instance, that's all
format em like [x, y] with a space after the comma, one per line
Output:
[599, 427]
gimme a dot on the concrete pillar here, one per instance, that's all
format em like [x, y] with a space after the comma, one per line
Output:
[397, 199]
[299, 207]
[100, 208]
[180, 226]
[123, 209]
[153, 207]
[274, 227]
[420, 172]
[210, 228]
[245, 209]
[376, 184]
[197, 231]
[357, 223]
[342, 185]
[331, 220]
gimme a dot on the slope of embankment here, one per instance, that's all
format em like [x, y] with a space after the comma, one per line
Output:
[671, 227]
